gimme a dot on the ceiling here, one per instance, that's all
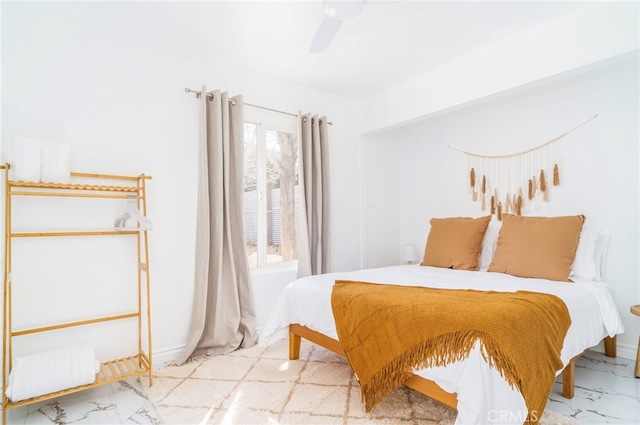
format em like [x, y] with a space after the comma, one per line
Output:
[387, 43]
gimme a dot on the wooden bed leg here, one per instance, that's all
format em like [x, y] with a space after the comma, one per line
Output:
[568, 379]
[294, 346]
[610, 346]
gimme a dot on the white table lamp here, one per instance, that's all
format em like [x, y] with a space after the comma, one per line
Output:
[409, 254]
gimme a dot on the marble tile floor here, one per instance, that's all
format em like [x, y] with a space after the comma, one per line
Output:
[606, 392]
[123, 402]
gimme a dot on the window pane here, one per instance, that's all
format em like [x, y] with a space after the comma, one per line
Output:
[282, 199]
[251, 192]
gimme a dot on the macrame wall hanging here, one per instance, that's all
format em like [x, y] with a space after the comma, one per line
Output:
[510, 183]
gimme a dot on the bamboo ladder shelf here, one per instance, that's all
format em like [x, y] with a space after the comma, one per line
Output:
[117, 187]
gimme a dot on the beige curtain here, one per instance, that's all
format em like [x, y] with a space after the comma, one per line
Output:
[313, 237]
[223, 317]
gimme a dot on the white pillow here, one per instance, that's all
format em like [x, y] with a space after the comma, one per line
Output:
[584, 265]
[602, 249]
[488, 246]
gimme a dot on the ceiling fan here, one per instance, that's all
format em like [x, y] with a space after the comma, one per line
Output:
[336, 12]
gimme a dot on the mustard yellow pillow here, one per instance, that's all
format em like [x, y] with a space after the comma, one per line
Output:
[455, 242]
[541, 247]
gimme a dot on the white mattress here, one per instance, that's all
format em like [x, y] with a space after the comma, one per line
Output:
[483, 395]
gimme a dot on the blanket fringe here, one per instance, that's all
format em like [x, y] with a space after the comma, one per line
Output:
[431, 354]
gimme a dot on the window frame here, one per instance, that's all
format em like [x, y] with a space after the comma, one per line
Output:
[265, 120]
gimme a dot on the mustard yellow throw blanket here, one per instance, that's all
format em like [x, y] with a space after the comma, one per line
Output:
[388, 331]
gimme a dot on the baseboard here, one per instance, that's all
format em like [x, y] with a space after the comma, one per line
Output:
[622, 350]
[166, 355]
[627, 351]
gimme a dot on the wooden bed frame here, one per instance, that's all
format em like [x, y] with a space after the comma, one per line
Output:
[418, 383]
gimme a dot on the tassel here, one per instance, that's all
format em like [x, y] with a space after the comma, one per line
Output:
[472, 177]
[543, 183]
[535, 186]
[545, 196]
[556, 175]
[484, 184]
[493, 205]
[519, 206]
[484, 203]
[499, 211]
[508, 206]
[475, 196]
[530, 193]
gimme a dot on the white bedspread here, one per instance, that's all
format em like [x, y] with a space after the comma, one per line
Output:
[483, 395]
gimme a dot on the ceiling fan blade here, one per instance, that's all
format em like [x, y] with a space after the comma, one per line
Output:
[325, 34]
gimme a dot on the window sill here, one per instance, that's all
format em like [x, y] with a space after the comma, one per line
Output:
[289, 266]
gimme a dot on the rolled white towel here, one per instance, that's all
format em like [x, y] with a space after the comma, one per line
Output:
[51, 371]
[24, 155]
[56, 162]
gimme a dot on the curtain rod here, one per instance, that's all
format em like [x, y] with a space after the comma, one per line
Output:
[188, 90]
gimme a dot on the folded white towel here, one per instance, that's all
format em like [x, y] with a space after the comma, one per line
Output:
[24, 155]
[56, 162]
[51, 371]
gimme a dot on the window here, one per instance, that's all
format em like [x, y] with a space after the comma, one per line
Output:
[270, 187]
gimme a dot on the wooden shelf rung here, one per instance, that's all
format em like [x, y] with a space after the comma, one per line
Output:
[127, 366]
[136, 364]
[105, 375]
[113, 371]
[122, 371]
[133, 365]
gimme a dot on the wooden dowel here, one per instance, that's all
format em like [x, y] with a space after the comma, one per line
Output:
[69, 195]
[72, 324]
[74, 233]
[108, 176]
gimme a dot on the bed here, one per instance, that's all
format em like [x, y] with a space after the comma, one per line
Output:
[478, 392]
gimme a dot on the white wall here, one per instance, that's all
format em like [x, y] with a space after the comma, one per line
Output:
[89, 74]
[599, 167]
[381, 242]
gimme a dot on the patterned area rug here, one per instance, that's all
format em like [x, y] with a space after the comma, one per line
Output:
[261, 386]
